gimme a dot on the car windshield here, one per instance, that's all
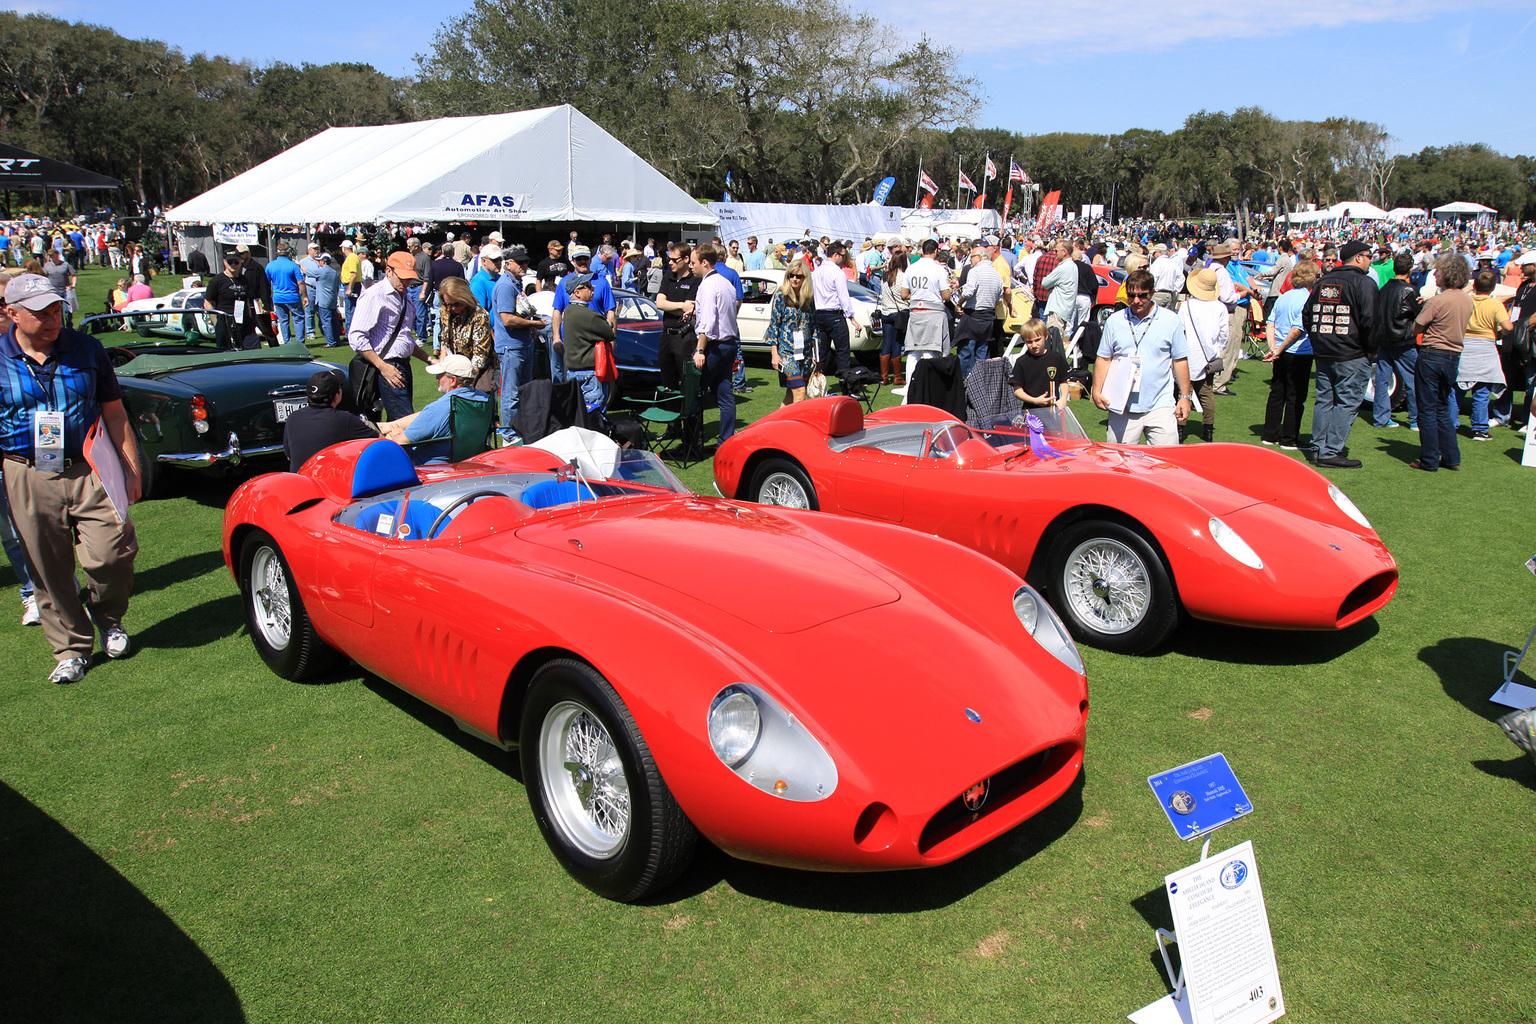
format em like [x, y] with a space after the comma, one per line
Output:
[858, 291]
[200, 327]
[1013, 428]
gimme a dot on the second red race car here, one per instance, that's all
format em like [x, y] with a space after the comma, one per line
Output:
[1121, 539]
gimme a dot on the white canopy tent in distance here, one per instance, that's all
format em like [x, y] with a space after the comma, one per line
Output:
[553, 164]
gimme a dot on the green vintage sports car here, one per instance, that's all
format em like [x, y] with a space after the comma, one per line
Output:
[195, 397]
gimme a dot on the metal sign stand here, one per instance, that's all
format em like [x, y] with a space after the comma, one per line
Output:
[1510, 693]
[1166, 938]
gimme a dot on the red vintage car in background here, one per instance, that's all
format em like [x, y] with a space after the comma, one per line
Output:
[1120, 538]
[801, 690]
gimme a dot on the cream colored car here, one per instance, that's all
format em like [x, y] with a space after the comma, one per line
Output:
[758, 288]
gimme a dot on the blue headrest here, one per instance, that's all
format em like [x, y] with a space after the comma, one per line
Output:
[383, 466]
[549, 493]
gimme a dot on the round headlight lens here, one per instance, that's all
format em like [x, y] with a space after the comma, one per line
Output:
[734, 725]
[1348, 507]
[1233, 544]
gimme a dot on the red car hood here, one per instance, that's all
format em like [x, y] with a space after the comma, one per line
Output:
[762, 567]
[1218, 498]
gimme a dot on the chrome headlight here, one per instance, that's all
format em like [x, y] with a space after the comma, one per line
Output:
[1348, 507]
[767, 747]
[1042, 623]
[1233, 544]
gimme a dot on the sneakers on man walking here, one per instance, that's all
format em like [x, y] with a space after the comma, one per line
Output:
[1520, 727]
[1481, 435]
[115, 642]
[30, 616]
[70, 670]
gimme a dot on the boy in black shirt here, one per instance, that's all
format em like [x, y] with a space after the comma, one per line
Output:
[1039, 375]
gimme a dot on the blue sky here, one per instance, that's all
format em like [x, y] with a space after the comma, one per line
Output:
[1431, 78]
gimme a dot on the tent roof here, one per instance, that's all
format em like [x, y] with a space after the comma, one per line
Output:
[1465, 207]
[1404, 212]
[21, 169]
[1358, 210]
[551, 164]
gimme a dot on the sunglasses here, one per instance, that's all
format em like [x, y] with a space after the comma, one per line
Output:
[1138, 295]
[797, 277]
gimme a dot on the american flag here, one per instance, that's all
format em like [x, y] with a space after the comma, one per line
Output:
[966, 183]
[991, 168]
[1016, 173]
[926, 183]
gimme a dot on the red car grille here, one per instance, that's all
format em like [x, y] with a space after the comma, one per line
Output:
[1006, 786]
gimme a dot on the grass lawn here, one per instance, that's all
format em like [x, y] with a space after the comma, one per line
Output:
[186, 837]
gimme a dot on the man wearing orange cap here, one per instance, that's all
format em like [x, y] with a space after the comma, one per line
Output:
[381, 333]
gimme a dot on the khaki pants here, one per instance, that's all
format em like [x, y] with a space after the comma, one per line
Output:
[1160, 426]
[1235, 321]
[62, 517]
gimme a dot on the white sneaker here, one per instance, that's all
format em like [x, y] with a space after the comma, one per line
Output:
[30, 616]
[70, 670]
[115, 642]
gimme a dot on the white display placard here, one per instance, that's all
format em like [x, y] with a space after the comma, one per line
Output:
[1528, 453]
[237, 234]
[1230, 975]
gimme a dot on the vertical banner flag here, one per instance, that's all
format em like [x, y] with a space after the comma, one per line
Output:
[1050, 208]
[1008, 202]
[978, 204]
[927, 203]
[991, 168]
[1016, 173]
[883, 192]
[966, 183]
[925, 183]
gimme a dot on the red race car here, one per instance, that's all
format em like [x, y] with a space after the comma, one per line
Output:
[800, 690]
[1119, 538]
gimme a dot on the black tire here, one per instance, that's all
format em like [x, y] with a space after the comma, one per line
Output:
[569, 706]
[149, 471]
[266, 583]
[775, 482]
[1130, 618]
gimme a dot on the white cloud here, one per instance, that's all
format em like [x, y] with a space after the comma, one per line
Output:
[1075, 29]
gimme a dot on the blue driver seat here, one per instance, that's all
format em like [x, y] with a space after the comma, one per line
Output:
[549, 493]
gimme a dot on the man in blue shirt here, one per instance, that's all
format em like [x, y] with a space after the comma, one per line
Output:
[513, 323]
[455, 379]
[308, 265]
[483, 284]
[323, 299]
[1145, 344]
[602, 292]
[65, 435]
[754, 258]
[288, 294]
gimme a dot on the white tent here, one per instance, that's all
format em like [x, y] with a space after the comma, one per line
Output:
[1357, 210]
[968, 222]
[1403, 213]
[784, 221]
[1463, 208]
[551, 164]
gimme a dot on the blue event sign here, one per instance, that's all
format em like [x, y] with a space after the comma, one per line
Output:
[1200, 796]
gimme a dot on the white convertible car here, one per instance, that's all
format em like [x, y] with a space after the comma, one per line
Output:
[758, 287]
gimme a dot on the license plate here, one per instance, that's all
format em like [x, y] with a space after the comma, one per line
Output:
[285, 407]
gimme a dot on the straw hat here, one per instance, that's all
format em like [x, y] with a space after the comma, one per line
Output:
[1202, 284]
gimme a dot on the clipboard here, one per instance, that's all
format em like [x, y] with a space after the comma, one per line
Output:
[101, 453]
[1117, 383]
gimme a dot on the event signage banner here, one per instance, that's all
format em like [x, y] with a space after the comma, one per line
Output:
[1230, 975]
[236, 234]
[883, 192]
[783, 221]
[483, 205]
[1200, 796]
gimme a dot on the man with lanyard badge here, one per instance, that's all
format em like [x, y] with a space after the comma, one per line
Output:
[1145, 342]
[71, 470]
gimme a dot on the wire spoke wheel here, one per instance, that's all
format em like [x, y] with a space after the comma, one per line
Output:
[1107, 585]
[271, 611]
[783, 489]
[585, 787]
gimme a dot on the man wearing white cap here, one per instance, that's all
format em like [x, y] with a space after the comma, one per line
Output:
[65, 436]
[455, 379]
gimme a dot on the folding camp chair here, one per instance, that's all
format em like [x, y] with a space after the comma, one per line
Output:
[469, 428]
[861, 383]
[675, 417]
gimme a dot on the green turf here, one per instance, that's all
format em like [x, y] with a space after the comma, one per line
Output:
[186, 837]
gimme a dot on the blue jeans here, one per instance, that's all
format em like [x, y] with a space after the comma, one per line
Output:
[437, 324]
[1340, 390]
[397, 401]
[592, 389]
[290, 321]
[1479, 414]
[831, 340]
[351, 308]
[719, 361]
[893, 332]
[973, 340]
[327, 317]
[516, 370]
[1404, 361]
[557, 372]
[1436, 391]
[14, 552]
[422, 319]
